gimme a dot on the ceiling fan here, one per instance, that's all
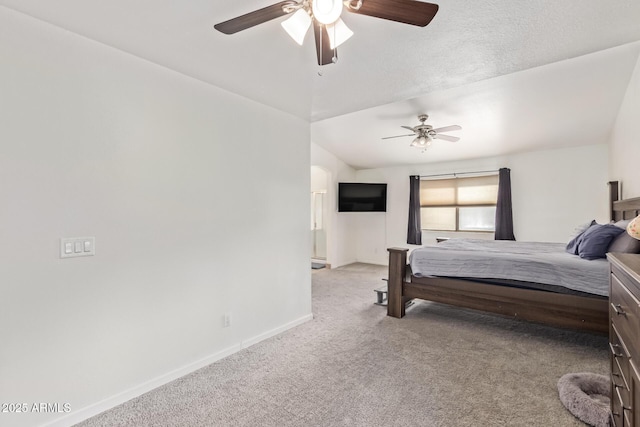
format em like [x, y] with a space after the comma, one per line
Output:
[328, 28]
[424, 133]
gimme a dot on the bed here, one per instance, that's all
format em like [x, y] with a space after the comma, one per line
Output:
[560, 301]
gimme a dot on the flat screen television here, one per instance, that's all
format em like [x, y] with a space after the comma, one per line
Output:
[362, 197]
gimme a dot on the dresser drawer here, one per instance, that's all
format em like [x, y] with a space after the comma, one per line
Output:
[616, 408]
[620, 367]
[624, 310]
[632, 414]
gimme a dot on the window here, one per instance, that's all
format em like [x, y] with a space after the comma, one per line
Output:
[459, 204]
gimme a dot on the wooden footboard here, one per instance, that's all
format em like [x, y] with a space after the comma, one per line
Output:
[568, 311]
[397, 273]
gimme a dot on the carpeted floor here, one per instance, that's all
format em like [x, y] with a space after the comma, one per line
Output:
[354, 366]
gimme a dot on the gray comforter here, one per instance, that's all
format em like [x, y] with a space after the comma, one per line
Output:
[535, 262]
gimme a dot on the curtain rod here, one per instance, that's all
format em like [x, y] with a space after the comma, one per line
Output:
[455, 174]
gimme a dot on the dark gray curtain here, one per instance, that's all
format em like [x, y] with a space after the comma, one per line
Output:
[414, 232]
[504, 215]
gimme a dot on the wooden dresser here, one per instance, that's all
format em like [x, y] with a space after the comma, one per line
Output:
[624, 338]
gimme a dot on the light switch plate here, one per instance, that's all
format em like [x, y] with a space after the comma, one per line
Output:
[71, 247]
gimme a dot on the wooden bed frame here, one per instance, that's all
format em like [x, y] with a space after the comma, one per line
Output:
[562, 310]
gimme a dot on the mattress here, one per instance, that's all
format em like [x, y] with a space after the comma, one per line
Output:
[499, 260]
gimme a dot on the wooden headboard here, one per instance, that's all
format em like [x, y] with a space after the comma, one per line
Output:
[622, 208]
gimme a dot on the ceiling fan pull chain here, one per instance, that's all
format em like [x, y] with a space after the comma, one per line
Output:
[334, 59]
[322, 30]
[322, 27]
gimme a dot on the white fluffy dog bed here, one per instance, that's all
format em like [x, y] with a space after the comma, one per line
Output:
[586, 396]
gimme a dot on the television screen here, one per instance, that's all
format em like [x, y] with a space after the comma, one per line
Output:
[361, 197]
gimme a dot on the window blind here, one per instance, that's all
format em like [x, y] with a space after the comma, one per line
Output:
[452, 192]
[459, 204]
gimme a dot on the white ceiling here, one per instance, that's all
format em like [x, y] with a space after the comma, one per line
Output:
[568, 103]
[515, 75]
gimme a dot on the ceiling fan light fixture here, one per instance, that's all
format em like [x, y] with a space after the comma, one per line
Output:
[338, 33]
[421, 142]
[326, 11]
[297, 25]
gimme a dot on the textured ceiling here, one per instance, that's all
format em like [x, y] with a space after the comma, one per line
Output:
[469, 47]
[568, 103]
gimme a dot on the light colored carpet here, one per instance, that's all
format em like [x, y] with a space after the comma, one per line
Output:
[354, 366]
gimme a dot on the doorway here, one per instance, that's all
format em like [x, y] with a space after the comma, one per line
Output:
[318, 232]
[319, 220]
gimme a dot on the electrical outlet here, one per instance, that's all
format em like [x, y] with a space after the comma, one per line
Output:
[226, 321]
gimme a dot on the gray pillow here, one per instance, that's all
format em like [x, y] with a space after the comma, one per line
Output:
[595, 241]
[622, 223]
[624, 243]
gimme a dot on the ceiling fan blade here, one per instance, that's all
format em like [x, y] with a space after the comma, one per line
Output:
[446, 137]
[447, 128]
[251, 19]
[398, 136]
[409, 127]
[323, 49]
[406, 11]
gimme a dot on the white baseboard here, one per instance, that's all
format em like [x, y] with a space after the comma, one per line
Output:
[374, 261]
[251, 341]
[343, 263]
[113, 401]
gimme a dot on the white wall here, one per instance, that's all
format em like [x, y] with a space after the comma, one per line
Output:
[194, 212]
[553, 191]
[341, 245]
[625, 140]
[319, 179]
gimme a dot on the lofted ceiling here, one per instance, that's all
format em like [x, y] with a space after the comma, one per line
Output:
[516, 76]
